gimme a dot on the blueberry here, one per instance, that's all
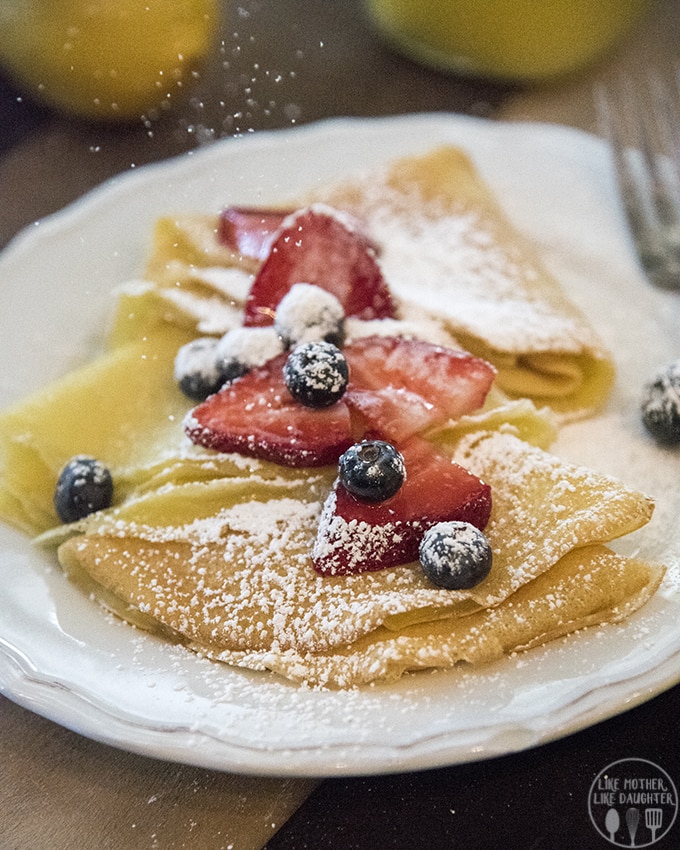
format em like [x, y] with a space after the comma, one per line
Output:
[372, 470]
[316, 374]
[84, 486]
[455, 555]
[245, 348]
[196, 369]
[308, 313]
[661, 405]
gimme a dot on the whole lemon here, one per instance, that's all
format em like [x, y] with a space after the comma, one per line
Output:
[110, 59]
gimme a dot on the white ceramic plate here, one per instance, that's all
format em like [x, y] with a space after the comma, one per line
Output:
[64, 658]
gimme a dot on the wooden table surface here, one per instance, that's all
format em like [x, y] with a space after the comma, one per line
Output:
[281, 63]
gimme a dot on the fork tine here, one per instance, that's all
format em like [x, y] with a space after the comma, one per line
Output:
[644, 130]
[612, 128]
[624, 137]
[660, 152]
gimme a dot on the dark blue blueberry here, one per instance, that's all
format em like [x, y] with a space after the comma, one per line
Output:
[84, 486]
[455, 555]
[661, 405]
[372, 470]
[316, 374]
[196, 370]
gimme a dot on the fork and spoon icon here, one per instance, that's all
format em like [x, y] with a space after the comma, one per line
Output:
[612, 822]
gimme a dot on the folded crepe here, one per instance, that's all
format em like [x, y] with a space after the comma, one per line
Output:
[444, 245]
[585, 588]
[124, 407]
[224, 566]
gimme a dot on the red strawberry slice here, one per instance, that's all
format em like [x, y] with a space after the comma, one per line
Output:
[401, 387]
[257, 416]
[356, 536]
[250, 230]
[389, 414]
[316, 245]
[398, 388]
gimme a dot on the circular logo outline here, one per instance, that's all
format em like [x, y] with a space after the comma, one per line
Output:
[653, 816]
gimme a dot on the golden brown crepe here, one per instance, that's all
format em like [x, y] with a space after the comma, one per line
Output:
[225, 566]
[585, 588]
[446, 243]
[123, 407]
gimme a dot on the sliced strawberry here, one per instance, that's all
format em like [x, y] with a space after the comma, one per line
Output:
[257, 416]
[250, 230]
[389, 414]
[398, 388]
[316, 245]
[356, 536]
[401, 387]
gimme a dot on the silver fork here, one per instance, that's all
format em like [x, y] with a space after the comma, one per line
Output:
[641, 120]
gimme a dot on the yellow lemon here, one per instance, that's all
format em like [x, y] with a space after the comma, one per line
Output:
[506, 39]
[112, 59]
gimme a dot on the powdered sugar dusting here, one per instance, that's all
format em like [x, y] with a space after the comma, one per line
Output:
[455, 254]
[248, 347]
[308, 313]
[197, 357]
[661, 404]
[249, 574]
[484, 279]
[350, 542]
[643, 464]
